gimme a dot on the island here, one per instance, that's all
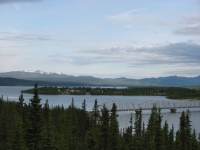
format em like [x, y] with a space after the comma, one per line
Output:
[169, 92]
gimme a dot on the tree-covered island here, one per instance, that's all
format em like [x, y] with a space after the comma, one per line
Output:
[169, 92]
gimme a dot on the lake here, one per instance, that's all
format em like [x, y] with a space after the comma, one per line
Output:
[13, 92]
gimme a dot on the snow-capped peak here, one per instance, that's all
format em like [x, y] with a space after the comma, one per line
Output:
[42, 72]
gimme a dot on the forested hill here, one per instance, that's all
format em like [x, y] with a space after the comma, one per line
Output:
[55, 79]
[7, 81]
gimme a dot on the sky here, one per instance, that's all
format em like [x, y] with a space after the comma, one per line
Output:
[101, 38]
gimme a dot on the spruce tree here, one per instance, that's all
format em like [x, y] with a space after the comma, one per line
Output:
[48, 136]
[138, 130]
[194, 142]
[184, 128]
[159, 138]
[188, 129]
[114, 129]
[20, 106]
[166, 135]
[171, 139]
[34, 128]
[18, 142]
[95, 113]
[128, 134]
[104, 128]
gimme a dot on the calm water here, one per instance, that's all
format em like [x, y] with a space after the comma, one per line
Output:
[13, 92]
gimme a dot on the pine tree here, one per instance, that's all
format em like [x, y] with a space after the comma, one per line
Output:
[84, 105]
[34, 128]
[171, 139]
[104, 128]
[4, 126]
[151, 129]
[20, 106]
[18, 142]
[93, 132]
[48, 136]
[188, 129]
[114, 129]
[178, 142]
[138, 130]
[159, 142]
[128, 135]
[166, 135]
[182, 130]
[95, 113]
[194, 142]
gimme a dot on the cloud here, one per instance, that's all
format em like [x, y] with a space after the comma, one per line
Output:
[189, 30]
[171, 54]
[184, 71]
[18, 36]
[132, 17]
[189, 25]
[13, 1]
[129, 17]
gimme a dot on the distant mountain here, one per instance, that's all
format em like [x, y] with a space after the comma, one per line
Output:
[60, 79]
[41, 72]
[18, 82]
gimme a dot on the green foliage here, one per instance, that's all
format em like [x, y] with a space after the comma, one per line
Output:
[44, 90]
[169, 92]
[114, 130]
[37, 127]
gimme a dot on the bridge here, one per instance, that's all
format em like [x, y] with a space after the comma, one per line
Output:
[173, 105]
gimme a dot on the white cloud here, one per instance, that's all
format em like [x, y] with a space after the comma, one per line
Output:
[178, 53]
[19, 36]
[129, 17]
[189, 25]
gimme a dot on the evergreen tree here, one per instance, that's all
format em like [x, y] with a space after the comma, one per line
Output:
[183, 132]
[4, 126]
[138, 130]
[166, 135]
[18, 142]
[104, 128]
[20, 106]
[114, 129]
[48, 136]
[171, 139]
[93, 132]
[95, 113]
[138, 123]
[84, 105]
[178, 144]
[194, 142]
[34, 128]
[159, 142]
[188, 129]
[128, 135]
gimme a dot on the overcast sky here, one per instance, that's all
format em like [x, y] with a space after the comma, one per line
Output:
[101, 38]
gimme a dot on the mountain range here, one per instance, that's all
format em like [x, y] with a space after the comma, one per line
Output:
[28, 78]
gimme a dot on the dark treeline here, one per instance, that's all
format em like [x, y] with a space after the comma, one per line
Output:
[39, 127]
[169, 92]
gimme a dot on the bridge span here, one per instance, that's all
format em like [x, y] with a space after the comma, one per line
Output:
[173, 105]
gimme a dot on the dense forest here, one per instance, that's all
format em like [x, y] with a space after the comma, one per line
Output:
[35, 126]
[169, 92]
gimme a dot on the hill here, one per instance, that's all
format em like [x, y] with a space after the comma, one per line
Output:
[59, 79]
